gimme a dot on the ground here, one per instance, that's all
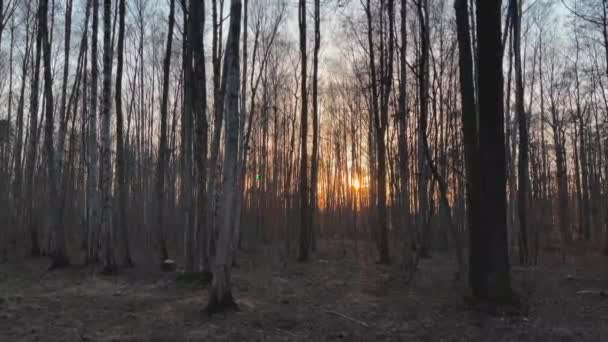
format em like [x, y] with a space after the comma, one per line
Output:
[332, 298]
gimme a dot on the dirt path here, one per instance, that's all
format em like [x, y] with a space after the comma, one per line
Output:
[330, 299]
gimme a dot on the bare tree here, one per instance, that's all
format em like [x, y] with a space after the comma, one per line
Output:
[59, 252]
[93, 205]
[121, 180]
[304, 238]
[107, 226]
[162, 147]
[220, 296]
[489, 264]
[522, 123]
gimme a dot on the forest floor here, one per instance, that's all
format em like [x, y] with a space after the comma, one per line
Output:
[332, 298]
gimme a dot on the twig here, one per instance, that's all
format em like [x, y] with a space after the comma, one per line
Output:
[592, 292]
[286, 332]
[361, 323]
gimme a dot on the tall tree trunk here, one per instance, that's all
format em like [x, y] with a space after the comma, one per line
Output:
[162, 147]
[63, 121]
[186, 148]
[523, 173]
[18, 146]
[219, 86]
[489, 264]
[404, 196]
[107, 227]
[424, 214]
[314, 167]
[242, 150]
[92, 148]
[30, 163]
[121, 180]
[304, 238]
[59, 252]
[204, 233]
[220, 296]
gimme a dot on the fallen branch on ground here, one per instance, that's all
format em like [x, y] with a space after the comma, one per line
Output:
[361, 323]
[592, 292]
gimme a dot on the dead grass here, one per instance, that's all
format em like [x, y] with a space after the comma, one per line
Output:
[329, 299]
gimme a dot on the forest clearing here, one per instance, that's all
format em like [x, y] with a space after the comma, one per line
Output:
[337, 297]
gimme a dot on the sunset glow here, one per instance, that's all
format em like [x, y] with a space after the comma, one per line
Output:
[356, 184]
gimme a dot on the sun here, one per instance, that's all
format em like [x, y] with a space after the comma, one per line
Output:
[356, 184]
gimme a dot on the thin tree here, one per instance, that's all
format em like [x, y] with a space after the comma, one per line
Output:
[522, 124]
[314, 168]
[402, 116]
[204, 233]
[162, 146]
[30, 162]
[92, 149]
[59, 253]
[107, 228]
[121, 180]
[304, 236]
[220, 296]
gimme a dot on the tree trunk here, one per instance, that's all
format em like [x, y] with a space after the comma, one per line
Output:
[59, 251]
[30, 163]
[314, 167]
[304, 245]
[489, 264]
[18, 146]
[204, 232]
[123, 191]
[522, 169]
[404, 196]
[63, 121]
[162, 147]
[93, 166]
[220, 296]
[186, 150]
[107, 228]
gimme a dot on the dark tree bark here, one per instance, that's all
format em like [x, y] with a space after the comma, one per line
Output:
[92, 149]
[120, 141]
[30, 162]
[59, 251]
[204, 231]
[18, 146]
[107, 226]
[315, 126]
[304, 245]
[162, 147]
[489, 264]
[187, 123]
[63, 121]
[523, 173]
